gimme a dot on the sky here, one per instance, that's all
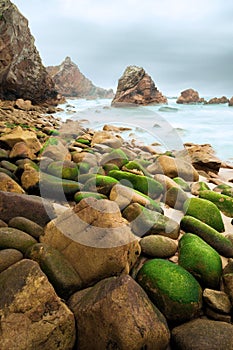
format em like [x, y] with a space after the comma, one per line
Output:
[181, 44]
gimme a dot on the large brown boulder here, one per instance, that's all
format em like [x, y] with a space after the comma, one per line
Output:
[117, 314]
[32, 316]
[137, 87]
[231, 101]
[95, 239]
[189, 96]
[22, 74]
[71, 82]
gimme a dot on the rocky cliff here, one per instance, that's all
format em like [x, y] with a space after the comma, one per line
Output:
[137, 87]
[22, 74]
[71, 82]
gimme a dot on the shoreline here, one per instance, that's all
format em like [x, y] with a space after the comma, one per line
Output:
[84, 208]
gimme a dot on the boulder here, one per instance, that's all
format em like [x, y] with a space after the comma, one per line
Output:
[173, 167]
[21, 150]
[70, 82]
[27, 226]
[203, 334]
[25, 105]
[137, 87]
[206, 211]
[172, 289]
[22, 74]
[157, 246]
[9, 257]
[217, 300]
[189, 96]
[117, 314]
[9, 185]
[96, 229]
[203, 157]
[107, 138]
[31, 207]
[32, 315]
[231, 102]
[200, 259]
[20, 135]
[147, 222]
[222, 201]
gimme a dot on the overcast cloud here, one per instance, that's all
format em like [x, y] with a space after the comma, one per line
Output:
[180, 43]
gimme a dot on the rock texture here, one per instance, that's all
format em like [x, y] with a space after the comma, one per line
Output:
[189, 96]
[22, 74]
[71, 82]
[123, 316]
[231, 102]
[136, 87]
[218, 100]
[32, 306]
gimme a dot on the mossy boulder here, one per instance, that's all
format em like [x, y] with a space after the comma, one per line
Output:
[116, 156]
[196, 187]
[205, 211]
[147, 222]
[110, 166]
[53, 185]
[182, 183]
[223, 202]
[82, 195]
[157, 246]
[16, 239]
[134, 165]
[141, 183]
[100, 183]
[215, 239]
[175, 198]
[200, 259]
[65, 170]
[175, 292]
[124, 196]
[57, 268]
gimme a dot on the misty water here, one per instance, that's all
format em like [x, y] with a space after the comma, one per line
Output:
[171, 125]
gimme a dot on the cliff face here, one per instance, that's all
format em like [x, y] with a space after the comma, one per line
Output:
[22, 74]
[70, 82]
[136, 87]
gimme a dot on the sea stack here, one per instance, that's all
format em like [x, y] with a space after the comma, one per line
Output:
[136, 87]
[70, 82]
[22, 74]
[190, 96]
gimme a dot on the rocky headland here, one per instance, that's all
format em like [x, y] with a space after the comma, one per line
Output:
[136, 87]
[70, 82]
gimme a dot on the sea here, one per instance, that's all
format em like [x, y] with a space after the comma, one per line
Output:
[167, 127]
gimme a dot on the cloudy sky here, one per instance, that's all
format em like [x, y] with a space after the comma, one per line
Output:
[180, 43]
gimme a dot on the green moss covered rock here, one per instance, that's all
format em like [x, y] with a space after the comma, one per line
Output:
[58, 269]
[65, 170]
[200, 259]
[82, 195]
[100, 183]
[205, 211]
[175, 198]
[141, 183]
[175, 292]
[116, 156]
[223, 202]
[50, 184]
[16, 239]
[215, 239]
[147, 222]
[182, 183]
[134, 165]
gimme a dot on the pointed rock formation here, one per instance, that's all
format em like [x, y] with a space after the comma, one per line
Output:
[22, 74]
[136, 87]
[190, 96]
[71, 82]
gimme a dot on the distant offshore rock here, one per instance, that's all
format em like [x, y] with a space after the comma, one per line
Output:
[218, 100]
[190, 96]
[231, 102]
[22, 74]
[136, 87]
[70, 82]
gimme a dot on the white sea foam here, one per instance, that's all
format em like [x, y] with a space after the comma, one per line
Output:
[186, 123]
